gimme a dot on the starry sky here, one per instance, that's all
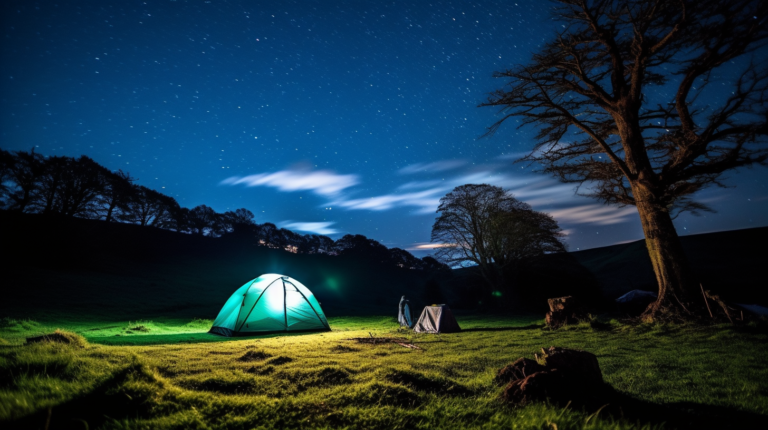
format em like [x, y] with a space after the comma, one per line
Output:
[327, 117]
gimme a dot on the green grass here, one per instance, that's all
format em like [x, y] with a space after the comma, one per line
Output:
[171, 374]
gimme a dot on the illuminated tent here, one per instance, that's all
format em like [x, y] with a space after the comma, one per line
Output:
[436, 319]
[268, 304]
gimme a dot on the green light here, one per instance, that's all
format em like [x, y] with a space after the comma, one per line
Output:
[496, 294]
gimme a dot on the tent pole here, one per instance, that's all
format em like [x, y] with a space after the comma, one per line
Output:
[310, 306]
[254, 305]
[285, 304]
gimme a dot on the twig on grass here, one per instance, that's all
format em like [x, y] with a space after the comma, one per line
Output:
[378, 340]
[705, 300]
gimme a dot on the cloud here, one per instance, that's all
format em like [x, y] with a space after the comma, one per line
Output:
[514, 156]
[594, 214]
[426, 201]
[312, 227]
[421, 246]
[321, 182]
[437, 166]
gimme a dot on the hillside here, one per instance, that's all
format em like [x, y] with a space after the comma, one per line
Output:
[114, 271]
[730, 263]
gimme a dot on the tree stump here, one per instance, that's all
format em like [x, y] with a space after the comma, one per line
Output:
[521, 368]
[567, 374]
[562, 311]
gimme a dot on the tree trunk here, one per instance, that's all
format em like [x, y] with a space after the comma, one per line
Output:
[677, 293]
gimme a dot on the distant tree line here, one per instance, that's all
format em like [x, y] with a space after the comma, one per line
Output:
[82, 188]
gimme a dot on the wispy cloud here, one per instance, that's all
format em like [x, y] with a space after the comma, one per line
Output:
[594, 214]
[437, 166]
[312, 227]
[425, 201]
[421, 246]
[323, 182]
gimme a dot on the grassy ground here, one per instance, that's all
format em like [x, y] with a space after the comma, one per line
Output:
[171, 374]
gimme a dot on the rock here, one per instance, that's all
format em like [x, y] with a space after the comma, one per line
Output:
[520, 369]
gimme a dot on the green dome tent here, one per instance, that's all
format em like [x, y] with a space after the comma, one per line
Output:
[270, 303]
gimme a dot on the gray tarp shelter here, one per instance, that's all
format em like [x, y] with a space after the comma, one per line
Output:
[636, 295]
[436, 319]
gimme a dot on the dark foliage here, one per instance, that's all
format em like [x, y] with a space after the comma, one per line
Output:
[81, 188]
[485, 225]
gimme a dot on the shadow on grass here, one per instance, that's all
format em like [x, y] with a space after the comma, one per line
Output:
[526, 327]
[676, 415]
[178, 338]
[112, 399]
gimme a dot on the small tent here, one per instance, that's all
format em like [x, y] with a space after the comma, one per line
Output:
[270, 303]
[635, 301]
[436, 319]
[404, 316]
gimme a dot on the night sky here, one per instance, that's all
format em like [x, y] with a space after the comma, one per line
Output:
[329, 117]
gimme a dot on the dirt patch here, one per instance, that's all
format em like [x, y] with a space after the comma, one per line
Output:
[254, 356]
[140, 328]
[261, 370]
[342, 348]
[277, 361]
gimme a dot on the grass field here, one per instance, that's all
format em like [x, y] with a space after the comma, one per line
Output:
[172, 375]
[138, 302]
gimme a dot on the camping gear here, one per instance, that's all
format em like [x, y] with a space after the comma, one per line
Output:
[270, 303]
[404, 316]
[436, 319]
[635, 302]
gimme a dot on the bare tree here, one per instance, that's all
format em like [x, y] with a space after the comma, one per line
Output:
[485, 225]
[603, 127]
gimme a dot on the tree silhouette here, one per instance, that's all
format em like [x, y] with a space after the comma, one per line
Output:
[203, 220]
[115, 193]
[602, 126]
[24, 169]
[362, 247]
[146, 207]
[239, 222]
[80, 185]
[485, 225]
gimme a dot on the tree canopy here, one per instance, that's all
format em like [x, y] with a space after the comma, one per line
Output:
[485, 225]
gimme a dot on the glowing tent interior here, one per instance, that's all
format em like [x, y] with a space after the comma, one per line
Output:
[270, 303]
